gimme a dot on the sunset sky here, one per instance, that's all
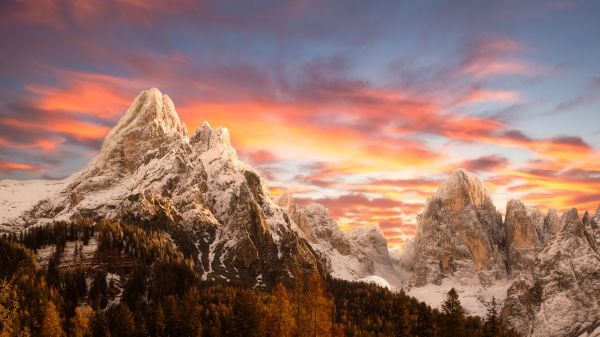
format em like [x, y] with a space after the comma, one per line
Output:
[363, 106]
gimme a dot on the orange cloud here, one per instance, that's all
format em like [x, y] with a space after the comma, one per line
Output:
[76, 129]
[480, 95]
[86, 93]
[14, 166]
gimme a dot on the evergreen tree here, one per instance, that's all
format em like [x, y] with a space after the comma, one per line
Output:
[120, 321]
[404, 321]
[453, 320]
[9, 310]
[491, 327]
[99, 324]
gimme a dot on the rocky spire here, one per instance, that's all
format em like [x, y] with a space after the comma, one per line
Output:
[589, 231]
[458, 234]
[571, 225]
[551, 224]
[149, 129]
[287, 202]
[566, 285]
[463, 188]
[215, 140]
[523, 236]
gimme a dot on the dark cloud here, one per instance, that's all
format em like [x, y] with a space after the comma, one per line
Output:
[485, 163]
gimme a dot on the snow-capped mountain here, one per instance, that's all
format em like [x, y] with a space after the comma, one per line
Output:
[545, 269]
[360, 254]
[148, 170]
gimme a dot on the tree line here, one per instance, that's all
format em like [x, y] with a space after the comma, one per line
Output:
[160, 294]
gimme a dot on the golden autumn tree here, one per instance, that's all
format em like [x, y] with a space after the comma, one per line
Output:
[280, 321]
[51, 326]
[320, 307]
[81, 325]
[9, 312]
[313, 308]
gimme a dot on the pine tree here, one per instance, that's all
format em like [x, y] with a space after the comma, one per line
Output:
[320, 307]
[99, 325]
[191, 324]
[404, 322]
[9, 308]
[491, 327]
[120, 321]
[453, 320]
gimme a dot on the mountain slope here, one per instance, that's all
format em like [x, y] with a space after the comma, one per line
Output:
[215, 207]
[564, 297]
[361, 254]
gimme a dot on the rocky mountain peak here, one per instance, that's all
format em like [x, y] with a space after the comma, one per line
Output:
[286, 200]
[463, 188]
[551, 223]
[524, 236]
[571, 225]
[458, 234]
[596, 217]
[217, 141]
[149, 129]
[370, 237]
[151, 114]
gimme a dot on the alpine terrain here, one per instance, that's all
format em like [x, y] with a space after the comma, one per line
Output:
[194, 202]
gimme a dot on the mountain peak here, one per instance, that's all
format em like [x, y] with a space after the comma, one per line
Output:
[571, 223]
[153, 111]
[149, 129]
[463, 188]
[286, 200]
[206, 138]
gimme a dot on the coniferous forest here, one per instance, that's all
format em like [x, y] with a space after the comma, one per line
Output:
[135, 282]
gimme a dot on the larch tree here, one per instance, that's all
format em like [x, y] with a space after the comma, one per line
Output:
[51, 326]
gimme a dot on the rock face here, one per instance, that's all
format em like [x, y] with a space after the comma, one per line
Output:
[548, 267]
[564, 297]
[551, 224]
[458, 234]
[524, 237]
[357, 255]
[215, 207]
[217, 210]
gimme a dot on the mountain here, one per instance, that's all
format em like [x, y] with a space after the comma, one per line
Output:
[458, 244]
[215, 207]
[202, 208]
[458, 234]
[562, 298]
[361, 254]
[544, 269]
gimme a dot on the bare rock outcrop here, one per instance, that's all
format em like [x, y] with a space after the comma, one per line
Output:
[564, 297]
[524, 237]
[459, 234]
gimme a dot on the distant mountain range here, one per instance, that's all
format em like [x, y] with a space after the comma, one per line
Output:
[544, 268]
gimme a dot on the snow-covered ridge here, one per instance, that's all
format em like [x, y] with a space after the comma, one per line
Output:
[148, 170]
[358, 255]
[543, 268]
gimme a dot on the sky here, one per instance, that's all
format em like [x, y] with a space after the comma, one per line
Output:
[363, 106]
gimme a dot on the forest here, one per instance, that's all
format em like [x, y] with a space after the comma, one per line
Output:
[161, 294]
